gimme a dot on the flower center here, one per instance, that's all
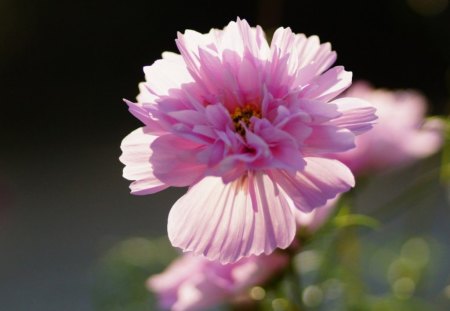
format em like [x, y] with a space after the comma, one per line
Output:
[241, 117]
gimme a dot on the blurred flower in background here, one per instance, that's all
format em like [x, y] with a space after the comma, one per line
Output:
[401, 135]
[194, 283]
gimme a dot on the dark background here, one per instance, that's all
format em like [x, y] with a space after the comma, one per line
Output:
[65, 67]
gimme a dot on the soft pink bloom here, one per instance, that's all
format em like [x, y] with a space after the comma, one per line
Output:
[195, 283]
[401, 134]
[245, 125]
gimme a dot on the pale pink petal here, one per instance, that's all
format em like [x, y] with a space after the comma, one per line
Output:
[199, 294]
[278, 147]
[307, 57]
[138, 111]
[176, 161]
[326, 139]
[328, 85]
[188, 44]
[231, 38]
[166, 74]
[145, 96]
[195, 283]
[357, 115]
[321, 180]
[318, 112]
[178, 273]
[249, 79]
[218, 117]
[427, 140]
[254, 40]
[226, 222]
[136, 155]
[219, 79]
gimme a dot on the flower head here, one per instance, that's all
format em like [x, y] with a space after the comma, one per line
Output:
[246, 126]
[401, 134]
[195, 283]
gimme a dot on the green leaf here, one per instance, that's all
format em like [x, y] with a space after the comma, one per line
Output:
[445, 159]
[346, 220]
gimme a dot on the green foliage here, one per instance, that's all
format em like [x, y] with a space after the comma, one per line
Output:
[123, 271]
[445, 163]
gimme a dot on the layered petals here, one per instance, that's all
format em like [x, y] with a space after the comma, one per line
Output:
[321, 180]
[357, 115]
[175, 162]
[136, 157]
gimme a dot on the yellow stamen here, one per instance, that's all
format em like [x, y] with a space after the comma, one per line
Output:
[242, 115]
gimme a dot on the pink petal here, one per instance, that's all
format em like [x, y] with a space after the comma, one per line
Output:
[231, 38]
[218, 117]
[167, 285]
[166, 74]
[328, 85]
[321, 180]
[136, 155]
[427, 140]
[254, 40]
[328, 139]
[280, 149]
[306, 57]
[357, 115]
[318, 112]
[226, 222]
[141, 112]
[175, 162]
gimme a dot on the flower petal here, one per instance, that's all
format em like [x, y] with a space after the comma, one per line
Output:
[427, 140]
[226, 222]
[307, 58]
[328, 139]
[175, 160]
[328, 85]
[357, 115]
[136, 155]
[165, 74]
[321, 180]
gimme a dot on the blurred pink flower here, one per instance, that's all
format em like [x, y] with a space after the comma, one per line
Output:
[245, 124]
[193, 283]
[401, 134]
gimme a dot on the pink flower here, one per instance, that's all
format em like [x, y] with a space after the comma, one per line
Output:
[195, 283]
[401, 134]
[245, 125]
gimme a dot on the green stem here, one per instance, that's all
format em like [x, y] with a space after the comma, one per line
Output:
[295, 283]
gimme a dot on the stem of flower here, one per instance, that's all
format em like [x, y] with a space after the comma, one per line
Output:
[295, 283]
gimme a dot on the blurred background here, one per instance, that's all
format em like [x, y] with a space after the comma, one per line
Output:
[65, 67]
